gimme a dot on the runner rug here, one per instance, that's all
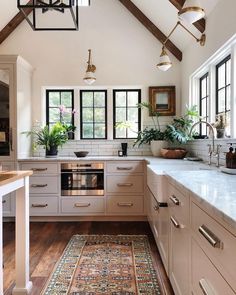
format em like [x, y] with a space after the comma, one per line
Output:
[104, 264]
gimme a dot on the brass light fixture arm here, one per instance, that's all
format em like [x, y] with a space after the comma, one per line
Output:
[91, 67]
[202, 40]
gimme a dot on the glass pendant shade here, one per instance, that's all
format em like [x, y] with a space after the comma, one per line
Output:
[90, 72]
[191, 11]
[164, 62]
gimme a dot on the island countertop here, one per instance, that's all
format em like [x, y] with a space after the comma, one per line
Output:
[7, 177]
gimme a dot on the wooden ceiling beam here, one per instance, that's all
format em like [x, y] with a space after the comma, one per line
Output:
[200, 24]
[151, 27]
[14, 23]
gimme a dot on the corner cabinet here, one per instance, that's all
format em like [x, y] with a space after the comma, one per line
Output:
[15, 110]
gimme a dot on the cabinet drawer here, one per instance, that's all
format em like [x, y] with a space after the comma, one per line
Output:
[43, 184]
[40, 168]
[82, 205]
[125, 184]
[205, 279]
[43, 205]
[216, 241]
[178, 203]
[122, 166]
[125, 204]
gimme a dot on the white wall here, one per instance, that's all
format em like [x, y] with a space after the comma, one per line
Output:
[220, 26]
[124, 52]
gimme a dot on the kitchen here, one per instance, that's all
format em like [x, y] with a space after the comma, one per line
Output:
[41, 65]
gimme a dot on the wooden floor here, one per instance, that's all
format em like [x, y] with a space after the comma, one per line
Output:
[48, 240]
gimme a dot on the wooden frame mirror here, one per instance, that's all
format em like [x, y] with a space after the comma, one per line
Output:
[162, 100]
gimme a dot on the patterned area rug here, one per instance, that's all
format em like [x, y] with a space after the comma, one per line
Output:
[104, 264]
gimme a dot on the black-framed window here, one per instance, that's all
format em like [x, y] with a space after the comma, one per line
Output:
[56, 98]
[93, 114]
[204, 102]
[125, 109]
[223, 88]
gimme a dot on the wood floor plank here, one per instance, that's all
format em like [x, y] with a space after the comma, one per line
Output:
[48, 240]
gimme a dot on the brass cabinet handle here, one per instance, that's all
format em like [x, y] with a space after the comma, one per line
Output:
[212, 239]
[175, 200]
[125, 204]
[80, 205]
[175, 222]
[206, 290]
[39, 169]
[39, 185]
[39, 205]
[4, 201]
[124, 168]
[125, 184]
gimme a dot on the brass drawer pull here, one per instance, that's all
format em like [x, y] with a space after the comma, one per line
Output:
[4, 201]
[39, 185]
[81, 205]
[39, 205]
[124, 204]
[125, 184]
[175, 200]
[209, 236]
[206, 290]
[39, 169]
[175, 222]
[124, 168]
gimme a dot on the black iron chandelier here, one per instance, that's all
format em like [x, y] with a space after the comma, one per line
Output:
[41, 20]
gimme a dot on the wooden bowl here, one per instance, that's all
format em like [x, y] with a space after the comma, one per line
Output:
[173, 153]
[81, 154]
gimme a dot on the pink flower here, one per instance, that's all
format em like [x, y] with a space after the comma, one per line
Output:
[62, 109]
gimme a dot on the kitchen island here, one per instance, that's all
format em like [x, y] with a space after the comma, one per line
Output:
[18, 181]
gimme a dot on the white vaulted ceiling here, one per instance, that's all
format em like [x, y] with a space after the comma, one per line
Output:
[161, 12]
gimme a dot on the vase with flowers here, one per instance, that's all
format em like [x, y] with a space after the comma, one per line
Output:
[220, 125]
[66, 118]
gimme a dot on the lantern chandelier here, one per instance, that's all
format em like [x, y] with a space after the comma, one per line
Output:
[90, 72]
[40, 9]
[191, 12]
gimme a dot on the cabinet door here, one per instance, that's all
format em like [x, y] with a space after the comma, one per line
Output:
[6, 112]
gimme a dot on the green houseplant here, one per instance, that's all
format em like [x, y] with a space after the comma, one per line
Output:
[49, 138]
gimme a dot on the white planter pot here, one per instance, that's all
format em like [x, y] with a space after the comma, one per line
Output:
[156, 146]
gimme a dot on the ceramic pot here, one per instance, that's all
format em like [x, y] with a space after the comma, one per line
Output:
[220, 133]
[52, 151]
[156, 146]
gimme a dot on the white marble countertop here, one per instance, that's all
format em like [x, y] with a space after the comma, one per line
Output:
[213, 189]
[91, 158]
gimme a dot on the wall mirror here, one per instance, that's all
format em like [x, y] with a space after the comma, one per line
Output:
[162, 100]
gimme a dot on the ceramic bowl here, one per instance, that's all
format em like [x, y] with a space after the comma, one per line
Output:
[81, 154]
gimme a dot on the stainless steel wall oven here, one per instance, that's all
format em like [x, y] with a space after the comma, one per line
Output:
[82, 179]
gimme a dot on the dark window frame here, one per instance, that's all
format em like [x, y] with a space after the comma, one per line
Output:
[205, 76]
[81, 114]
[48, 106]
[114, 111]
[224, 61]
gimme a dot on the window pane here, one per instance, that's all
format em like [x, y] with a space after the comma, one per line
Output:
[203, 93]
[133, 114]
[54, 115]
[203, 108]
[120, 114]
[228, 72]
[132, 133]
[99, 115]
[221, 76]
[99, 131]
[54, 99]
[87, 130]
[227, 129]
[228, 98]
[67, 117]
[221, 100]
[132, 98]
[66, 99]
[99, 99]
[204, 128]
[87, 99]
[87, 115]
[121, 99]
[120, 133]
